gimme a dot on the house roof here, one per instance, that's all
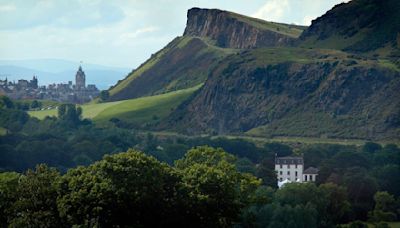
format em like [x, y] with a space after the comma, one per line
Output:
[311, 170]
[289, 160]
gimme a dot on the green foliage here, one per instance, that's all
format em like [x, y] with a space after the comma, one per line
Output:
[6, 102]
[36, 195]
[370, 147]
[70, 114]
[215, 185]
[127, 189]
[104, 95]
[205, 155]
[299, 205]
[281, 150]
[385, 207]
[35, 104]
[8, 187]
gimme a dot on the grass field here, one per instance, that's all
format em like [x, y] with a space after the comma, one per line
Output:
[260, 141]
[3, 131]
[136, 111]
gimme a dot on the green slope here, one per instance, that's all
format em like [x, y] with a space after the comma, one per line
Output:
[183, 63]
[135, 111]
[361, 26]
[145, 109]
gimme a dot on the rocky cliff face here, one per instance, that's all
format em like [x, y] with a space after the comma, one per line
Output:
[229, 31]
[331, 98]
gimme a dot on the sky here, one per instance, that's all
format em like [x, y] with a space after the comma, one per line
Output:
[121, 33]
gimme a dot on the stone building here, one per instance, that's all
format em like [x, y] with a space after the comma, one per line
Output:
[80, 79]
[291, 169]
[62, 92]
[310, 174]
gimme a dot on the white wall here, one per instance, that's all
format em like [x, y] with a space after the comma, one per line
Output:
[292, 172]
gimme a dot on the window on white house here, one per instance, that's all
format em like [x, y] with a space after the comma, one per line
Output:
[305, 177]
[280, 172]
[296, 173]
[288, 172]
[281, 166]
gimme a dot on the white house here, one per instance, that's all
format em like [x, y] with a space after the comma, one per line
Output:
[310, 174]
[291, 169]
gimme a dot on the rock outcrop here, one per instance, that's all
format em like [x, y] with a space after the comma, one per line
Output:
[345, 98]
[229, 30]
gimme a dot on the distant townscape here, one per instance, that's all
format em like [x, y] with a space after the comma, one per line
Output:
[62, 92]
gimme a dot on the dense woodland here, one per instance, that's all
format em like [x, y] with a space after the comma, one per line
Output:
[179, 181]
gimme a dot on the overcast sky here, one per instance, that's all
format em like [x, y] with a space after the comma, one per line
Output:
[121, 32]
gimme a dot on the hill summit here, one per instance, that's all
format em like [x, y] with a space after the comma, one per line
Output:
[231, 30]
[210, 36]
[270, 79]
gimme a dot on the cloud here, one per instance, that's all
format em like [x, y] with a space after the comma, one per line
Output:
[308, 19]
[139, 32]
[7, 8]
[68, 14]
[272, 10]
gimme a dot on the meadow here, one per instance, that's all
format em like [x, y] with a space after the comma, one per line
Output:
[137, 111]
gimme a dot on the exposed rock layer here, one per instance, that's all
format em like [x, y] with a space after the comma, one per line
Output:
[228, 31]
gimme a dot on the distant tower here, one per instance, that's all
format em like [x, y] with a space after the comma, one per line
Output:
[34, 82]
[80, 79]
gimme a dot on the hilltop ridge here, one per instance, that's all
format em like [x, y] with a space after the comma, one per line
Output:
[231, 30]
[210, 36]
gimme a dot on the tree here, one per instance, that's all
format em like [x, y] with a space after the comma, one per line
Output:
[338, 205]
[385, 205]
[8, 187]
[6, 102]
[361, 188]
[36, 204]
[35, 104]
[104, 95]
[126, 189]
[218, 191]
[301, 194]
[370, 147]
[388, 178]
[277, 148]
[70, 114]
[207, 156]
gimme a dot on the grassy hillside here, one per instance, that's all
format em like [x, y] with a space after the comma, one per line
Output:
[183, 63]
[145, 109]
[138, 111]
[363, 26]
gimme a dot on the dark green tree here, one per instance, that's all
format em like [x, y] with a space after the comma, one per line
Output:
[8, 188]
[128, 190]
[218, 191]
[35, 104]
[36, 204]
[104, 95]
[385, 207]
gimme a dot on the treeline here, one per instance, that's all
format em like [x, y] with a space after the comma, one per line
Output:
[203, 189]
[360, 175]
